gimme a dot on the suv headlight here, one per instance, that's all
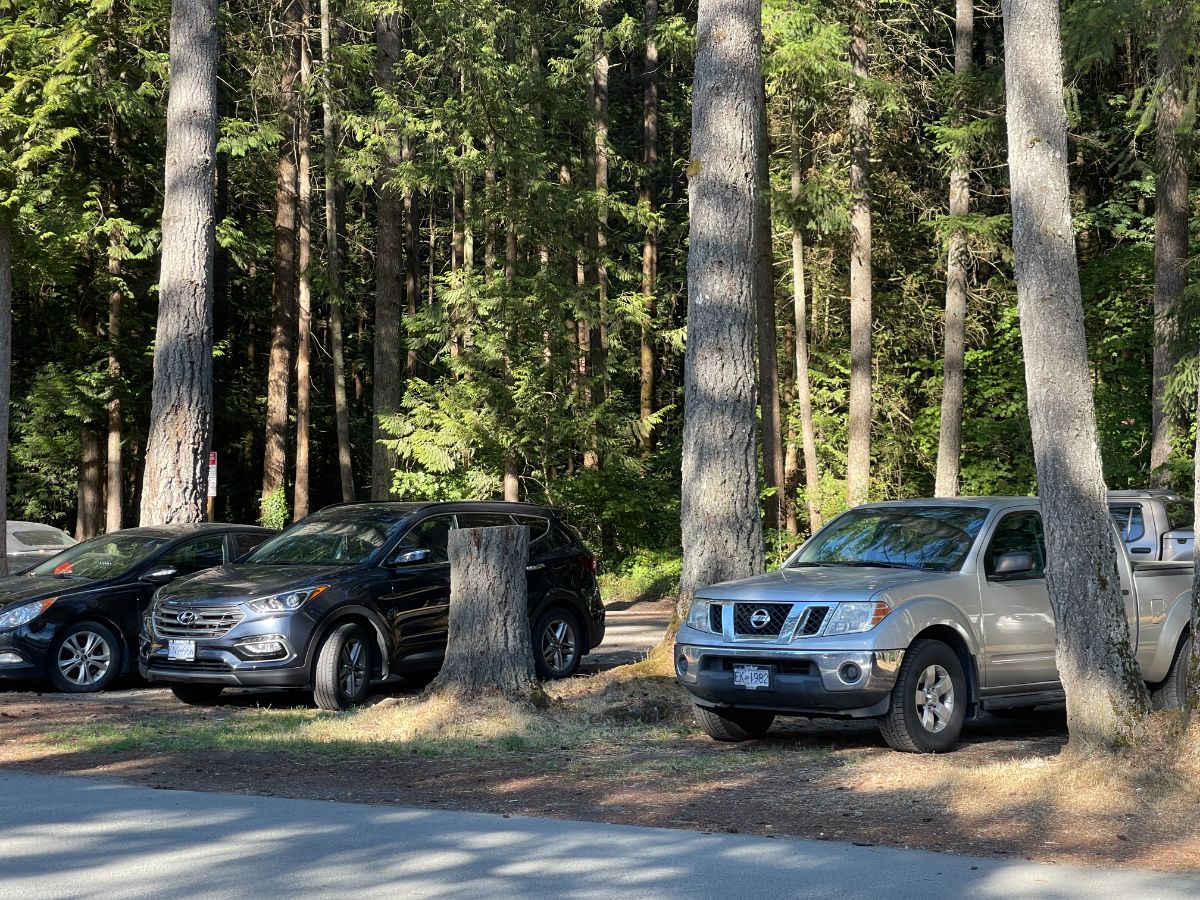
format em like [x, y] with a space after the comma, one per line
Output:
[288, 601]
[698, 616]
[22, 615]
[851, 618]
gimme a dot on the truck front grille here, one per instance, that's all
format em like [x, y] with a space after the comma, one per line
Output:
[812, 620]
[759, 619]
[200, 623]
[714, 618]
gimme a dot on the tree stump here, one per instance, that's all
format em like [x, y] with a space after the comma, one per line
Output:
[489, 651]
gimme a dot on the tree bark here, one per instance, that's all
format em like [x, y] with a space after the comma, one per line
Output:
[412, 256]
[768, 340]
[598, 340]
[333, 210]
[1170, 218]
[1105, 693]
[950, 432]
[650, 238]
[489, 650]
[5, 377]
[722, 529]
[1193, 645]
[808, 439]
[283, 294]
[389, 276]
[304, 296]
[114, 481]
[175, 481]
[858, 456]
[90, 494]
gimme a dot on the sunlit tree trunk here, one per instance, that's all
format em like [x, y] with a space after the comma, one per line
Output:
[5, 375]
[304, 295]
[1106, 696]
[650, 238]
[808, 439]
[768, 340]
[114, 469]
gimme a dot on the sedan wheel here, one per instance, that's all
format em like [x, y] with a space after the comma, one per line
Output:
[556, 644]
[87, 658]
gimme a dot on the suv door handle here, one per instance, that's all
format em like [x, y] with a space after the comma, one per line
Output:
[536, 567]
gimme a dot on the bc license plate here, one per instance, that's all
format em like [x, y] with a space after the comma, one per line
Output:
[752, 678]
[184, 651]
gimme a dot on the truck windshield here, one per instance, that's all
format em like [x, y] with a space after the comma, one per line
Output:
[932, 538]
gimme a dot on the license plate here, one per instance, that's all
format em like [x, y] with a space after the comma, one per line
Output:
[752, 678]
[184, 651]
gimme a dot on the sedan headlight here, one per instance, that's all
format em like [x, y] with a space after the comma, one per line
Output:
[22, 615]
[289, 601]
[698, 616]
[851, 618]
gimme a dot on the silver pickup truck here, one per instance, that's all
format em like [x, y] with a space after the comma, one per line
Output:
[1156, 525]
[919, 614]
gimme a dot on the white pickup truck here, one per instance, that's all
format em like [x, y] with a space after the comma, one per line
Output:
[919, 614]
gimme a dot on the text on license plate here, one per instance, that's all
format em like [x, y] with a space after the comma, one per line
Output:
[185, 651]
[752, 678]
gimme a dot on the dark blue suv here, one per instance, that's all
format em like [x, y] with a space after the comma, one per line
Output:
[358, 593]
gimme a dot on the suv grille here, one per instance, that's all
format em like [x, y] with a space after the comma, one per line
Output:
[208, 623]
[748, 620]
[812, 620]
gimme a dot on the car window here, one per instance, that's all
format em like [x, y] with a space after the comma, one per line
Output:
[430, 534]
[1018, 533]
[1129, 521]
[247, 541]
[196, 555]
[1181, 516]
[539, 529]
[109, 556]
[934, 538]
[484, 520]
[41, 537]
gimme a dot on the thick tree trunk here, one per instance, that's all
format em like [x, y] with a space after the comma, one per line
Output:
[1105, 693]
[1170, 217]
[175, 484]
[768, 340]
[808, 438]
[858, 457]
[5, 378]
[950, 432]
[722, 529]
[389, 278]
[650, 239]
[333, 209]
[304, 296]
[489, 650]
[114, 470]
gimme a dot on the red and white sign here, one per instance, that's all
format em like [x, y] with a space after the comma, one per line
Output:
[212, 474]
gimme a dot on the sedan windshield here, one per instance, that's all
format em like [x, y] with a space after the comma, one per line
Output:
[934, 538]
[103, 557]
[318, 542]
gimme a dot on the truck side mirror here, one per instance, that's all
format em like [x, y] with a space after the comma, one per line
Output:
[1010, 564]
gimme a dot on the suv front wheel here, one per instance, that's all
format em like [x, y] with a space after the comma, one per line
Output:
[343, 672]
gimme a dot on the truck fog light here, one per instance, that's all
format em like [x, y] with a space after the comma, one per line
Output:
[849, 672]
[681, 665]
[10, 659]
[266, 645]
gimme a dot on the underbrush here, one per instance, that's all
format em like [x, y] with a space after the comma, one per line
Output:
[643, 575]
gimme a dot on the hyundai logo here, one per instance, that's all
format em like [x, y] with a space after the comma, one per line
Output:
[187, 617]
[760, 619]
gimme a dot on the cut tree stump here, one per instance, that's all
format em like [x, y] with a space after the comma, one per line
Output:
[489, 651]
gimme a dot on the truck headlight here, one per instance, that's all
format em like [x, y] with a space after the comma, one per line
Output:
[25, 614]
[289, 601]
[698, 616]
[851, 618]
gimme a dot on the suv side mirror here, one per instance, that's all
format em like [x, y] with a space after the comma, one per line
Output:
[161, 575]
[410, 557]
[1010, 564]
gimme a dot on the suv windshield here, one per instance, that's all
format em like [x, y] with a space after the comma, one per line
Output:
[935, 538]
[324, 542]
[103, 557]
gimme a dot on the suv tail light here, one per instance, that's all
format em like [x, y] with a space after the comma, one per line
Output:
[588, 561]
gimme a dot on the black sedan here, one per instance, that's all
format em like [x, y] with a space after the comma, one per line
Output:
[74, 619]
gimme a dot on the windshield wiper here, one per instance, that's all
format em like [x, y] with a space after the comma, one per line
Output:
[862, 564]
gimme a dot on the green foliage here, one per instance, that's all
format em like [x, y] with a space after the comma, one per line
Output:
[274, 508]
[641, 575]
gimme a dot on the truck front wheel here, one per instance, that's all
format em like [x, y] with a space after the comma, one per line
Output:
[929, 701]
[733, 724]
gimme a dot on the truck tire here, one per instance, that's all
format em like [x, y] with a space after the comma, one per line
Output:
[343, 671]
[1172, 692]
[733, 725]
[929, 701]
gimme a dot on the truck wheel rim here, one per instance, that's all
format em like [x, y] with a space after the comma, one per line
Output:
[352, 669]
[558, 645]
[84, 658]
[935, 699]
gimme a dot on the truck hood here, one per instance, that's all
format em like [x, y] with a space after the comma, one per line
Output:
[18, 589]
[821, 583]
[238, 583]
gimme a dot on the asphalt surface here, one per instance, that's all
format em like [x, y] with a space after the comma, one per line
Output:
[87, 838]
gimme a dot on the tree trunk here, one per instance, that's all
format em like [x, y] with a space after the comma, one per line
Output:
[389, 276]
[175, 481]
[1170, 218]
[598, 340]
[950, 432]
[90, 495]
[489, 650]
[333, 210]
[304, 247]
[858, 456]
[808, 439]
[5, 377]
[1105, 693]
[412, 257]
[283, 294]
[650, 238]
[768, 346]
[1193, 676]
[114, 481]
[722, 529]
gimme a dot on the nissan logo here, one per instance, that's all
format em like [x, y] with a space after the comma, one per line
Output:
[187, 617]
[760, 619]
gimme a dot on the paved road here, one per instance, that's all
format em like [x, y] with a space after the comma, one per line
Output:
[85, 838]
[629, 635]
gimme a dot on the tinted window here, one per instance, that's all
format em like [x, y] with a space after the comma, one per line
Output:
[1181, 516]
[102, 557]
[908, 537]
[1018, 533]
[42, 537]
[324, 542]
[196, 555]
[247, 541]
[430, 534]
[484, 520]
[1129, 521]
[539, 528]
